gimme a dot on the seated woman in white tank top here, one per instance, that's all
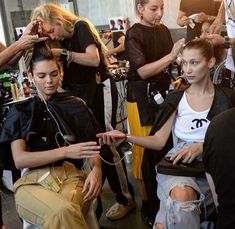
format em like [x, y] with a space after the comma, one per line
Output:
[181, 197]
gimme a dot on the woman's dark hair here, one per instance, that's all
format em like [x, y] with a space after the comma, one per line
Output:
[204, 45]
[41, 51]
[142, 3]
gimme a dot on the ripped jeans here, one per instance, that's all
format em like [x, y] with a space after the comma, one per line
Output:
[175, 214]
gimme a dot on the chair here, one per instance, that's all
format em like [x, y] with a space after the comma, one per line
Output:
[27, 225]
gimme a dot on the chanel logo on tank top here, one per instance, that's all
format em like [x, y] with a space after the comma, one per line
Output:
[198, 123]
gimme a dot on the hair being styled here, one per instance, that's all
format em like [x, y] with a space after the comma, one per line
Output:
[202, 44]
[53, 13]
[41, 52]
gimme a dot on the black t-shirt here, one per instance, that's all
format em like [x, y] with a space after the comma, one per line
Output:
[115, 37]
[193, 7]
[219, 161]
[81, 39]
[145, 45]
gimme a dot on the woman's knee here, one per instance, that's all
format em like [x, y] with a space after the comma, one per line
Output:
[159, 226]
[183, 193]
[67, 215]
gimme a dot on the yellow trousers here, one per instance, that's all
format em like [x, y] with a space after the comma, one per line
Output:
[137, 130]
[55, 202]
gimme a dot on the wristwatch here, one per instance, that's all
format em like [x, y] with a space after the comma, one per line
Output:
[227, 42]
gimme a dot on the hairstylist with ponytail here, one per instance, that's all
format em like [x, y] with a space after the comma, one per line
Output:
[150, 50]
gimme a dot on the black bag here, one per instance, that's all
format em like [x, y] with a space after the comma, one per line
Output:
[193, 169]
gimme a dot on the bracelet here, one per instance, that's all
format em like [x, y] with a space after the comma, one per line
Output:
[69, 57]
[64, 54]
[131, 143]
[127, 136]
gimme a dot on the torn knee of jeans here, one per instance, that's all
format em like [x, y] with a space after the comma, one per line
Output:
[184, 206]
[193, 195]
[188, 206]
[180, 185]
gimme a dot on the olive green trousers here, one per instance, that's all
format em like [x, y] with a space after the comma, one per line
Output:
[52, 197]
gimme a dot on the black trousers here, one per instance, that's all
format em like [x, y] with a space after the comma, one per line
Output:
[94, 95]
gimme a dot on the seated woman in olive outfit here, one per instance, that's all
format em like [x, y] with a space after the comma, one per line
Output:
[50, 134]
[183, 117]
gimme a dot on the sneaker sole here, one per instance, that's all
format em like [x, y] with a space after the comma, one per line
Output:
[128, 213]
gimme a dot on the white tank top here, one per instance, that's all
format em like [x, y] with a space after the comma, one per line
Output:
[190, 125]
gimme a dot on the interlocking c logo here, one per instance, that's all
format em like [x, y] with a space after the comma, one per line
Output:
[199, 122]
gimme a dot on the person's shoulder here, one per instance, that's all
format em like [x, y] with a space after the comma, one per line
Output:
[20, 109]
[175, 93]
[137, 31]
[119, 34]
[21, 104]
[163, 26]
[225, 89]
[63, 97]
[173, 98]
[223, 120]
[134, 28]
[70, 103]
[81, 24]
[229, 92]
[71, 106]
[228, 114]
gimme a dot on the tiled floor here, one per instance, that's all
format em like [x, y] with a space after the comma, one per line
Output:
[132, 220]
